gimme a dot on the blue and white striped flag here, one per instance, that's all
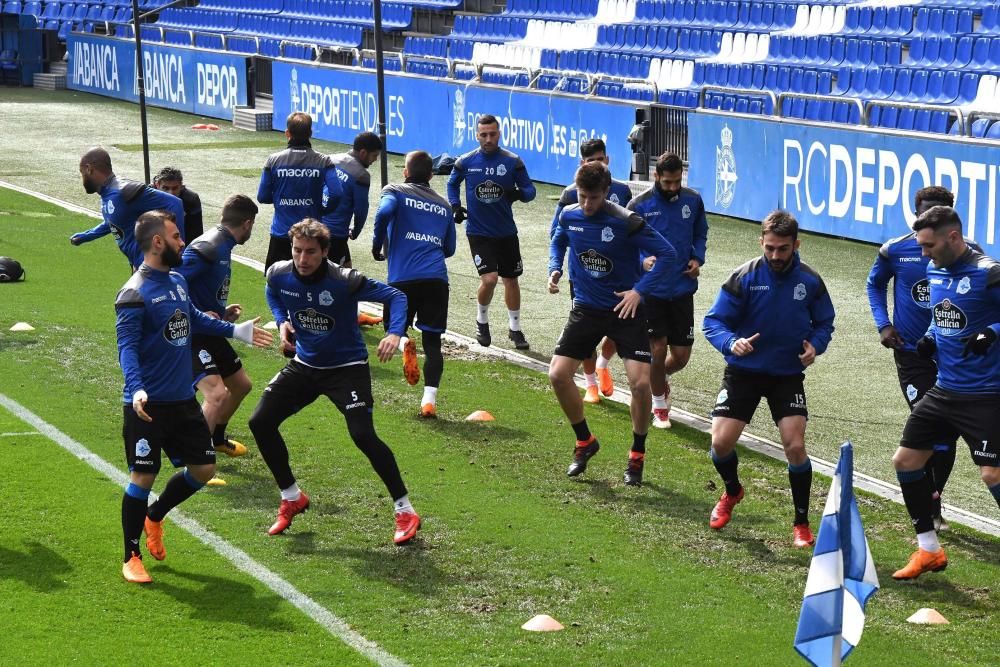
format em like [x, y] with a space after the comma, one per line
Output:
[841, 576]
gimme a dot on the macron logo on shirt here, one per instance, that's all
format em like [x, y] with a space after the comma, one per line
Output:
[288, 172]
[426, 206]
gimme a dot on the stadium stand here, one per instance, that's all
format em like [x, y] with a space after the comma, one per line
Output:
[916, 66]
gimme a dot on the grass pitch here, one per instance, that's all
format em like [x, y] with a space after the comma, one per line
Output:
[635, 574]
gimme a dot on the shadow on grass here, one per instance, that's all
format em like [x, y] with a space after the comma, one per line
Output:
[13, 344]
[220, 599]
[39, 567]
[411, 568]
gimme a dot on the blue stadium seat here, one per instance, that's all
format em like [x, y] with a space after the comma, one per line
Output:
[979, 127]
[994, 131]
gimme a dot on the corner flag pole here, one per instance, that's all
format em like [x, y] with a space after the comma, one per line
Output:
[380, 81]
[141, 85]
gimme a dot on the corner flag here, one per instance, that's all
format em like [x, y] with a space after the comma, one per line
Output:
[841, 576]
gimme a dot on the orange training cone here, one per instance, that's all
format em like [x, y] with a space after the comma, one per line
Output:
[542, 623]
[480, 416]
[926, 616]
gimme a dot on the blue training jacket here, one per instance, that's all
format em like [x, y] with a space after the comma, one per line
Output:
[784, 308]
[683, 223]
[323, 310]
[155, 321]
[294, 181]
[208, 269]
[122, 202]
[353, 206]
[620, 193]
[418, 229]
[489, 177]
[605, 254]
[901, 261]
[965, 299]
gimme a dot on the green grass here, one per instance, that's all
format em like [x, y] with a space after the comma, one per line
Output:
[852, 390]
[635, 574]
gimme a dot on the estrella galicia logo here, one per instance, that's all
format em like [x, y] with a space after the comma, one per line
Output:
[313, 320]
[964, 285]
[596, 264]
[178, 328]
[607, 235]
[142, 448]
[325, 298]
[116, 231]
[725, 170]
[222, 296]
[921, 293]
[800, 292]
[489, 192]
[949, 318]
[296, 101]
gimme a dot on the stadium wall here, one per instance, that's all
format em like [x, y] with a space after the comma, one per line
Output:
[852, 183]
[206, 83]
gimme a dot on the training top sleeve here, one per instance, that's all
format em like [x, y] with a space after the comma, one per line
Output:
[335, 191]
[877, 289]
[275, 304]
[723, 317]
[265, 191]
[650, 242]
[130, 310]
[360, 192]
[372, 290]
[383, 216]
[209, 326]
[700, 246]
[557, 247]
[822, 314]
[455, 182]
[523, 181]
[103, 229]
[450, 240]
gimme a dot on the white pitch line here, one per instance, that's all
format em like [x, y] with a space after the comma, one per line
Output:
[11, 435]
[321, 615]
[753, 442]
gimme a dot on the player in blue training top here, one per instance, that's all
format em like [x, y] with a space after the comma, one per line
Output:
[218, 371]
[122, 202]
[771, 319]
[416, 228]
[605, 241]
[348, 219]
[300, 182]
[595, 370]
[901, 261]
[156, 319]
[494, 179]
[678, 213]
[965, 399]
[316, 302]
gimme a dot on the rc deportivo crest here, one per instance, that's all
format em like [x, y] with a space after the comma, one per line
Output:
[800, 292]
[614, 199]
[459, 117]
[964, 285]
[501, 170]
[294, 90]
[111, 207]
[607, 235]
[686, 212]
[325, 298]
[142, 448]
[725, 170]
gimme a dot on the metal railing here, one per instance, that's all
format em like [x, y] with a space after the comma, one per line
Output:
[766, 94]
[977, 115]
[668, 131]
[952, 111]
[779, 108]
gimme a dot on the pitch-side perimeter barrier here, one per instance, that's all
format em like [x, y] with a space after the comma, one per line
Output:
[856, 183]
[205, 83]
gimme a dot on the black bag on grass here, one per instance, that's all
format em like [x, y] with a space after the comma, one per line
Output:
[10, 270]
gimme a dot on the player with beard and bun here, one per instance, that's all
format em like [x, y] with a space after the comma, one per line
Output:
[122, 202]
[207, 267]
[771, 319]
[156, 320]
[317, 301]
[901, 261]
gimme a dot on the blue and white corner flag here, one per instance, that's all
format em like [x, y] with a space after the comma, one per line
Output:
[841, 576]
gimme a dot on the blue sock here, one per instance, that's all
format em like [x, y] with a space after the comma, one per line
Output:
[727, 468]
[995, 490]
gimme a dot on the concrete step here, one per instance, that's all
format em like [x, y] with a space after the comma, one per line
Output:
[50, 81]
[254, 120]
[58, 67]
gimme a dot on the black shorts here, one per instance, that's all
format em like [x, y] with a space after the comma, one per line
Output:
[742, 390]
[425, 299]
[916, 375]
[672, 319]
[279, 248]
[941, 416]
[500, 254]
[298, 385]
[339, 252]
[213, 355]
[587, 326]
[178, 429]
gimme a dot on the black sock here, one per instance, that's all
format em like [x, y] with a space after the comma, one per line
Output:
[639, 443]
[133, 517]
[582, 431]
[219, 436]
[727, 470]
[433, 359]
[939, 467]
[800, 477]
[917, 490]
[180, 487]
